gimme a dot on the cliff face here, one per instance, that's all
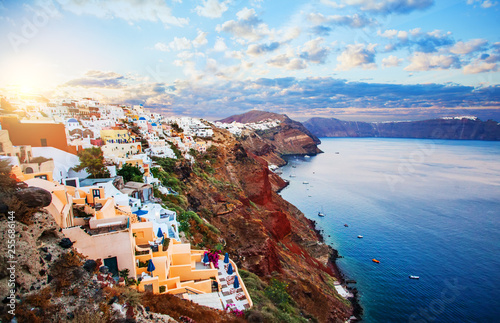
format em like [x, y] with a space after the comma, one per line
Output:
[427, 129]
[289, 138]
[265, 234]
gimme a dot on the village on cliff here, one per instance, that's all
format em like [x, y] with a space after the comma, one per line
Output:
[120, 223]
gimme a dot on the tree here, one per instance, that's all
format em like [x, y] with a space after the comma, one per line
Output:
[92, 160]
[130, 173]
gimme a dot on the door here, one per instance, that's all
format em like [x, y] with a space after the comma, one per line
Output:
[148, 288]
[112, 264]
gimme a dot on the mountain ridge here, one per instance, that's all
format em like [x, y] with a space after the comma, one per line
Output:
[463, 128]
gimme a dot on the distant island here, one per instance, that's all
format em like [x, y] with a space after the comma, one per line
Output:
[460, 128]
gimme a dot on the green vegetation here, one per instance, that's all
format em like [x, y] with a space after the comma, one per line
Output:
[272, 303]
[92, 160]
[176, 128]
[131, 173]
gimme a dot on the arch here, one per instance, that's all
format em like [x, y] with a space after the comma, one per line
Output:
[29, 170]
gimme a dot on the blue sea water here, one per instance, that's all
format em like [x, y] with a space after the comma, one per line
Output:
[424, 207]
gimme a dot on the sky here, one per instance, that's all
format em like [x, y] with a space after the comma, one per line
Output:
[366, 60]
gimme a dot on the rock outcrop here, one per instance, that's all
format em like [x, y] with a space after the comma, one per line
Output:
[289, 138]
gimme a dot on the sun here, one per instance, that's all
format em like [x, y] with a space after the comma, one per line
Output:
[26, 75]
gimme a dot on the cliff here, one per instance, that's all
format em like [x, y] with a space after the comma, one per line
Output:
[231, 188]
[464, 128]
[289, 138]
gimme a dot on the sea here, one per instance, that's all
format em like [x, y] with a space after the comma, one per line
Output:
[428, 208]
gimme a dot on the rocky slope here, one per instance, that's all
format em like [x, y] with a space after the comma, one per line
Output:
[427, 129]
[265, 234]
[289, 138]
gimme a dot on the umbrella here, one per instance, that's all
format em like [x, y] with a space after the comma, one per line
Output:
[140, 212]
[226, 258]
[230, 269]
[205, 258]
[151, 266]
[236, 282]
[160, 233]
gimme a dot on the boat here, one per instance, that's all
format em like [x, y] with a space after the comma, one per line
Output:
[414, 277]
[376, 261]
[292, 175]
[305, 182]
[307, 156]
[360, 236]
[345, 225]
[336, 153]
[320, 213]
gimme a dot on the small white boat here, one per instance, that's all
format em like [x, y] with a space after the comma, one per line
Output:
[307, 156]
[292, 175]
[321, 213]
[305, 182]
[360, 237]
[414, 277]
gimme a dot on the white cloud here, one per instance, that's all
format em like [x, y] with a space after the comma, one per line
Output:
[314, 52]
[162, 47]
[129, 10]
[201, 39]
[483, 3]
[390, 6]
[473, 45]
[296, 64]
[180, 43]
[220, 45]
[354, 21]
[357, 55]
[391, 61]
[427, 61]
[211, 8]
[480, 67]
[248, 26]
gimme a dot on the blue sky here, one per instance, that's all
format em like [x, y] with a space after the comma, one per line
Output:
[349, 59]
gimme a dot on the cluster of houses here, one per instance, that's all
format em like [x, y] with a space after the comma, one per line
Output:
[121, 223]
[237, 128]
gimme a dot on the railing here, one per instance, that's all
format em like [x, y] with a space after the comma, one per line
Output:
[190, 291]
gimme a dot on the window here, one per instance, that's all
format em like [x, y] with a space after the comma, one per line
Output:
[1, 147]
[43, 142]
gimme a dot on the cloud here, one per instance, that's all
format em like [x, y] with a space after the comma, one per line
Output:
[461, 48]
[211, 8]
[180, 44]
[391, 61]
[383, 7]
[417, 40]
[220, 45]
[421, 61]
[257, 50]
[483, 3]
[183, 43]
[312, 51]
[480, 67]
[129, 10]
[248, 26]
[322, 96]
[201, 39]
[98, 79]
[287, 62]
[323, 24]
[357, 55]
